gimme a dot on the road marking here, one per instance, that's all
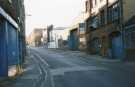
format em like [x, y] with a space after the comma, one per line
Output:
[33, 77]
[28, 69]
[48, 74]
[52, 80]
[42, 59]
[40, 71]
[51, 77]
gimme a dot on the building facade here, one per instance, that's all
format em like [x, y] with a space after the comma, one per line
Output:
[56, 36]
[11, 54]
[129, 28]
[15, 8]
[77, 33]
[36, 37]
[106, 27]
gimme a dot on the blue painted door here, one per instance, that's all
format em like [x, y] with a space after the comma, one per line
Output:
[117, 51]
[70, 41]
[74, 40]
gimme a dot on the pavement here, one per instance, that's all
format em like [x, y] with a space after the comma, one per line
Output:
[64, 68]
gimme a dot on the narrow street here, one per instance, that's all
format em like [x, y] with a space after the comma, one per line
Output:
[69, 69]
[59, 68]
[67, 43]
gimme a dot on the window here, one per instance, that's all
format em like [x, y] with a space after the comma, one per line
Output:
[86, 5]
[113, 13]
[82, 27]
[95, 2]
[116, 11]
[109, 16]
[91, 4]
[101, 0]
[130, 38]
[133, 38]
[102, 18]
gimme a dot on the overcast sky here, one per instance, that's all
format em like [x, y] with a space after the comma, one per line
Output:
[45, 12]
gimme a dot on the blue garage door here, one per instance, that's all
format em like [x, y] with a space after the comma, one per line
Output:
[117, 51]
[73, 40]
[13, 47]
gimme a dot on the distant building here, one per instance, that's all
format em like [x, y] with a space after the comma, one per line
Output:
[44, 38]
[77, 34]
[56, 36]
[36, 37]
[49, 33]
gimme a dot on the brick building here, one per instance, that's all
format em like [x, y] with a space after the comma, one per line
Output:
[12, 23]
[106, 26]
[36, 37]
[77, 33]
[129, 28]
[15, 8]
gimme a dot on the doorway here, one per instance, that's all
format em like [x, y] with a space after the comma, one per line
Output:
[116, 45]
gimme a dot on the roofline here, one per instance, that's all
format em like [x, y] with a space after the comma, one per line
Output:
[8, 18]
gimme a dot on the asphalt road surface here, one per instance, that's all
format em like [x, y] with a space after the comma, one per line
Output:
[63, 68]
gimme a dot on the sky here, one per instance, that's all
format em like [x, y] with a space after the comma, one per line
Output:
[60, 13]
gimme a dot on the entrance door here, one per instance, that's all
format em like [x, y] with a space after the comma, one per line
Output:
[73, 40]
[96, 45]
[117, 51]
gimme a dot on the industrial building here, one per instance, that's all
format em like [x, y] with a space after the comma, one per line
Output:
[56, 36]
[36, 38]
[77, 33]
[12, 35]
[110, 28]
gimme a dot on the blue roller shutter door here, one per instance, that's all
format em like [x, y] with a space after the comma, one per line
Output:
[117, 50]
[13, 47]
